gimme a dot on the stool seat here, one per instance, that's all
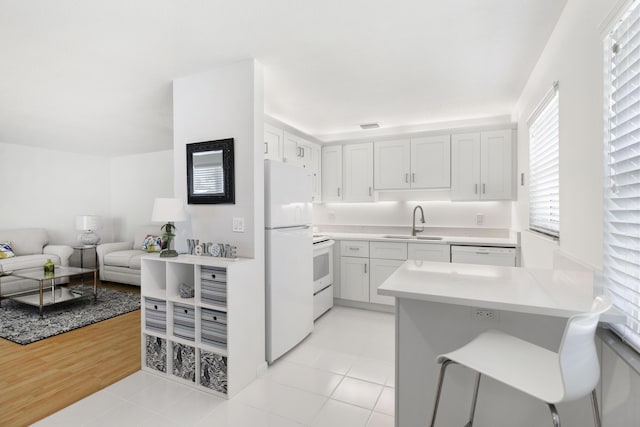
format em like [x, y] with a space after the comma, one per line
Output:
[552, 377]
[520, 364]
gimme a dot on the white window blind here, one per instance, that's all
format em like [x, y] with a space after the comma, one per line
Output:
[208, 179]
[544, 178]
[621, 264]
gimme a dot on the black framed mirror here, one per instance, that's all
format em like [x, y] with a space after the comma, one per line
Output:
[210, 175]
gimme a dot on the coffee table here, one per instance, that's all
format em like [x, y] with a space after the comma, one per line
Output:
[50, 293]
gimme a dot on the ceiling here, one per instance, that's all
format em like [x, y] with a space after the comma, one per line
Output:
[95, 76]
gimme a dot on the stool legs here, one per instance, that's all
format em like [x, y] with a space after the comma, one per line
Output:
[596, 411]
[443, 368]
[554, 415]
[474, 400]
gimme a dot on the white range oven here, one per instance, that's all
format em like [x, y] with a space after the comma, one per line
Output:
[322, 274]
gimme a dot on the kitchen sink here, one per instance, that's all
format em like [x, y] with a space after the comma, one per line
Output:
[408, 237]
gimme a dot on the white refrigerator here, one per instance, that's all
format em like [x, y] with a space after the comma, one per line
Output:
[289, 257]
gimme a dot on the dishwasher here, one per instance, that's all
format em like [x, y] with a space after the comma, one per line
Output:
[486, 255]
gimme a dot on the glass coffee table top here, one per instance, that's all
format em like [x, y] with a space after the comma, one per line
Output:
[37, 273]
[49, 292]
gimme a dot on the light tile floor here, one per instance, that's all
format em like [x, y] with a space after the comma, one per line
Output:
[340, 376]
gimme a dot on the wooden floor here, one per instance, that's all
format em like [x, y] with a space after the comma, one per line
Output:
[39, 379]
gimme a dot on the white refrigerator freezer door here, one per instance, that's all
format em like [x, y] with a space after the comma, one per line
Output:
[289, 293]
[287, 195]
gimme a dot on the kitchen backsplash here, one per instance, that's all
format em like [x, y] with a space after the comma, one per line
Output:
[393, 215]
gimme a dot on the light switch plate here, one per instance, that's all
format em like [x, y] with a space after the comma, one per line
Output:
[238, 225]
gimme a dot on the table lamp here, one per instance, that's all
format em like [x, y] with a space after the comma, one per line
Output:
[88, 224]
[169, 211]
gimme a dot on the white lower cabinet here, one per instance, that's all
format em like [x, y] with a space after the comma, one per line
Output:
[365, 265]
[191, 306]
[354, 278]
[429, 252]
[381, 269]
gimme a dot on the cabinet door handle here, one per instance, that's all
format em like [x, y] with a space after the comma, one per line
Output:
[354, 249]
[484, 188]
[365, 268]
[406, 177]
[266, 148]
[413, 177]
[338, 191]
[369, 191]
[299, 151]
[302, 151]
[476, 190]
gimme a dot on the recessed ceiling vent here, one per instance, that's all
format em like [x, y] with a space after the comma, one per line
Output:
[369, 125]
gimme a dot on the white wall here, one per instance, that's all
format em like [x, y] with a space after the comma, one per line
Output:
[136, 180]
[573, 56]
[220, 104]
[48, 188]
[228, 102]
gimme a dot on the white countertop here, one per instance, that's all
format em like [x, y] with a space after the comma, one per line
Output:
[561, 293]
[446, 240]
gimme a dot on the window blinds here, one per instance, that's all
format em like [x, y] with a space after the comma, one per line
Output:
[544, 181]
[621, 264]
[208, 179]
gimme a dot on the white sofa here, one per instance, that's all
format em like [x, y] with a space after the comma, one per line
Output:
[120, 261]
[32, 249]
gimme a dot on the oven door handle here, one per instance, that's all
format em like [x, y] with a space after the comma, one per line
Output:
[323, 245]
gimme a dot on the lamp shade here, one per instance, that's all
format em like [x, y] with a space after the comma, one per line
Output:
[87, 222]
[168, 210]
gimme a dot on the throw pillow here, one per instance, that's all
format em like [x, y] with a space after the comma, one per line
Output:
[6, 251]
[152, 243]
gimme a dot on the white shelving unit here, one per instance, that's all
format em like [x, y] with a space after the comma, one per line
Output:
[213, 341]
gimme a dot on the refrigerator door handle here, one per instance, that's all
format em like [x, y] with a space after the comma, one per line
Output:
[294, 227]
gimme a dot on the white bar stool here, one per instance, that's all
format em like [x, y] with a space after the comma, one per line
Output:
[571, 373]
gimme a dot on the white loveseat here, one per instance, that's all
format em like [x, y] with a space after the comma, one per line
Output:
[32, 249]
[120, 261]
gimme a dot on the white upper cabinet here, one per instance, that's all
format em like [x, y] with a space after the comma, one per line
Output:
[297, 150]
[465, 166]
[332, 173]
[392, 164]
[291, 148]
[431, 162]
[316, 171]
[357, 172]
[497, 165]
[273, 142]
[482, 166]
[413, 163]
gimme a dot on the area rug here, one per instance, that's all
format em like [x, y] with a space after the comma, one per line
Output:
[22, 324]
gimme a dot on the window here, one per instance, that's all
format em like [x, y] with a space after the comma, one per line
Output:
[544, 185]
[621, 264]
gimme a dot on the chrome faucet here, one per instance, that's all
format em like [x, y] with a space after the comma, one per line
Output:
[413, 227]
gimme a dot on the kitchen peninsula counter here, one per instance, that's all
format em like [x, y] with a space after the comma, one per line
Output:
[560, 293]
[442, 306]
